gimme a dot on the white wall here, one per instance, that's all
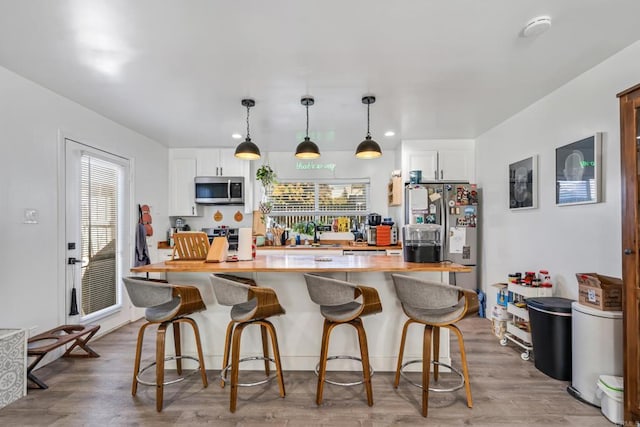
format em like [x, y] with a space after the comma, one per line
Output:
[569, 239]
[32, 258]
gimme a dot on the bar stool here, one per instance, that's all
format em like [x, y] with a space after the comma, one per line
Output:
[250, 305]
[338, 305]
[166, 304]
[434, 305]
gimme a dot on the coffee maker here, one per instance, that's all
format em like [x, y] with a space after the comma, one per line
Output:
[422, 242]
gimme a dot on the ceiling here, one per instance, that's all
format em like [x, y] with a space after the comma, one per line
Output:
[176, 71]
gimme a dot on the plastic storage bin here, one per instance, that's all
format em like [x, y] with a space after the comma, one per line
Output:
[610, 392]
[550, 322]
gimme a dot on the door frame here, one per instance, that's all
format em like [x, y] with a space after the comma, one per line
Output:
[128, 228]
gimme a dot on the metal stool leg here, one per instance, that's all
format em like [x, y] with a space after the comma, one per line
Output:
[426, 361]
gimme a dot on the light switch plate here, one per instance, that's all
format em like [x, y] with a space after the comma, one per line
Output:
[30, 216]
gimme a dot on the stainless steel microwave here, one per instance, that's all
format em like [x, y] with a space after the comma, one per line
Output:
[220, 190]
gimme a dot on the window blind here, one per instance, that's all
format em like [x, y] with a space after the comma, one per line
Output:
[99, 214]
[320, 198]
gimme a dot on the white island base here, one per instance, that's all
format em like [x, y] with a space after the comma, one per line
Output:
[300, 329]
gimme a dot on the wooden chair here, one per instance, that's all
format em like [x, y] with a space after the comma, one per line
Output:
[338, 305]
[434, 305]
[166, 304]
[250, 305]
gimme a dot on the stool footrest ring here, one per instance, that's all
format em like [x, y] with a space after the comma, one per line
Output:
[317, 371]
[177, 380]
[433, 362]
[223, 372]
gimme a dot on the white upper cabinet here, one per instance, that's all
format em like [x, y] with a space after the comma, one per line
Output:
[440, 160]
[425, 161]
[182, 189]
[455, 165]
[220, 162]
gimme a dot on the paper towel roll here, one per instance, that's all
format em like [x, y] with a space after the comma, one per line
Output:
[245, 239]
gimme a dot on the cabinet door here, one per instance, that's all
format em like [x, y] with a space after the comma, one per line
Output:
[630, 160]
[208, 162]
[455, 165]
[182, 188]
[427, 162]
[230, 165]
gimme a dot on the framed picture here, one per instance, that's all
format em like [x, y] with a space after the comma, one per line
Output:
[578, 171]
[523, 184]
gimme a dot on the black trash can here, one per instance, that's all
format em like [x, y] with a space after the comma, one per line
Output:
[550, 321]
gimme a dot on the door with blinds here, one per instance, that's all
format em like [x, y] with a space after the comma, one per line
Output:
[97, 194]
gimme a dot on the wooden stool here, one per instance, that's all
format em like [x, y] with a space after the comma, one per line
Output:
[434, 305]
[165, 304]
[250, 305]
[40, 345]
[338, 305]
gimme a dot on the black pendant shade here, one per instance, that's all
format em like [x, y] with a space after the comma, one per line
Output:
[307, 149]
[247, 150]
[368, 149]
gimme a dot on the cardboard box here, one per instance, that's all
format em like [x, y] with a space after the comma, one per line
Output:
[599, 292]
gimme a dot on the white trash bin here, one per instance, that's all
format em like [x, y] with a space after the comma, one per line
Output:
[610, 392]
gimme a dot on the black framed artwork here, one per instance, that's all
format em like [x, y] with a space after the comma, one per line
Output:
[523, 184]
[578, 171]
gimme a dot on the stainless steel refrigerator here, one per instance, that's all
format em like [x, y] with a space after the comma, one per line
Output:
[454, 205]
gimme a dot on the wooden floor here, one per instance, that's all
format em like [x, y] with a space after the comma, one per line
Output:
[506, 391]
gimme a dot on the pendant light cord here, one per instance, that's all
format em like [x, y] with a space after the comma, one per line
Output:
[368, 133]
[248, 135]
[307, 106]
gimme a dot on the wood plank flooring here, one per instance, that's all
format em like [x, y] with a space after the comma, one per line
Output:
[96, 392]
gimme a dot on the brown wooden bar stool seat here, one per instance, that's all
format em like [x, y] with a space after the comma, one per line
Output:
[166, 304]
[339, 305]
[434, 305]
[250, 305]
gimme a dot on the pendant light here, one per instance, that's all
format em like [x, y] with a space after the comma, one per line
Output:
[307, 149]
[368, 149]
[247, 150]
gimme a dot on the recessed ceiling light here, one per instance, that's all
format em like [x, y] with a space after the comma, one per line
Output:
[536, 26]
[389, 133]
[236, 136]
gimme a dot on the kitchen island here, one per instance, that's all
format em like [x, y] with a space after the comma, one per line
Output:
[300, 330]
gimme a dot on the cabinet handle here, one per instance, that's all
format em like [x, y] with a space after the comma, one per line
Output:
[628, 251]
[193, 210]
[435, 175]
[441, 175]
[217, 173]
[221, 173]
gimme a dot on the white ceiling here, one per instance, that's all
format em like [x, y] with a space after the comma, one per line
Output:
[177, 70]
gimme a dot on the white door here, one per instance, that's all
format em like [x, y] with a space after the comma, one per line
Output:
[97, 235]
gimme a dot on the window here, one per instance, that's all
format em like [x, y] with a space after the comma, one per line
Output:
[318, 200]
[99, 230]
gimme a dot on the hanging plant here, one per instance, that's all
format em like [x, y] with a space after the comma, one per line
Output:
[266, 176]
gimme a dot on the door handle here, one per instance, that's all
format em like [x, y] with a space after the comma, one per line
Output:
[628, 251]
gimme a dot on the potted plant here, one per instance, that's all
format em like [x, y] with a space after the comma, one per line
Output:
[267, 177]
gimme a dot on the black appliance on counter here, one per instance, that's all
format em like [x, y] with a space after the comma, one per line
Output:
[422, 242]
[230, 233]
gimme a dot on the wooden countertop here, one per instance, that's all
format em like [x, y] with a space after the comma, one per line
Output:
[341, 245]
[300, 263]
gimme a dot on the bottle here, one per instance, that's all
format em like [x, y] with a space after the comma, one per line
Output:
[297, 239]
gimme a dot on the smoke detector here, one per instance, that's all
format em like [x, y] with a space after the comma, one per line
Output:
[536, 26]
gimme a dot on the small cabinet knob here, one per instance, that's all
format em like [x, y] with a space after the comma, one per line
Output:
[628, 251]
